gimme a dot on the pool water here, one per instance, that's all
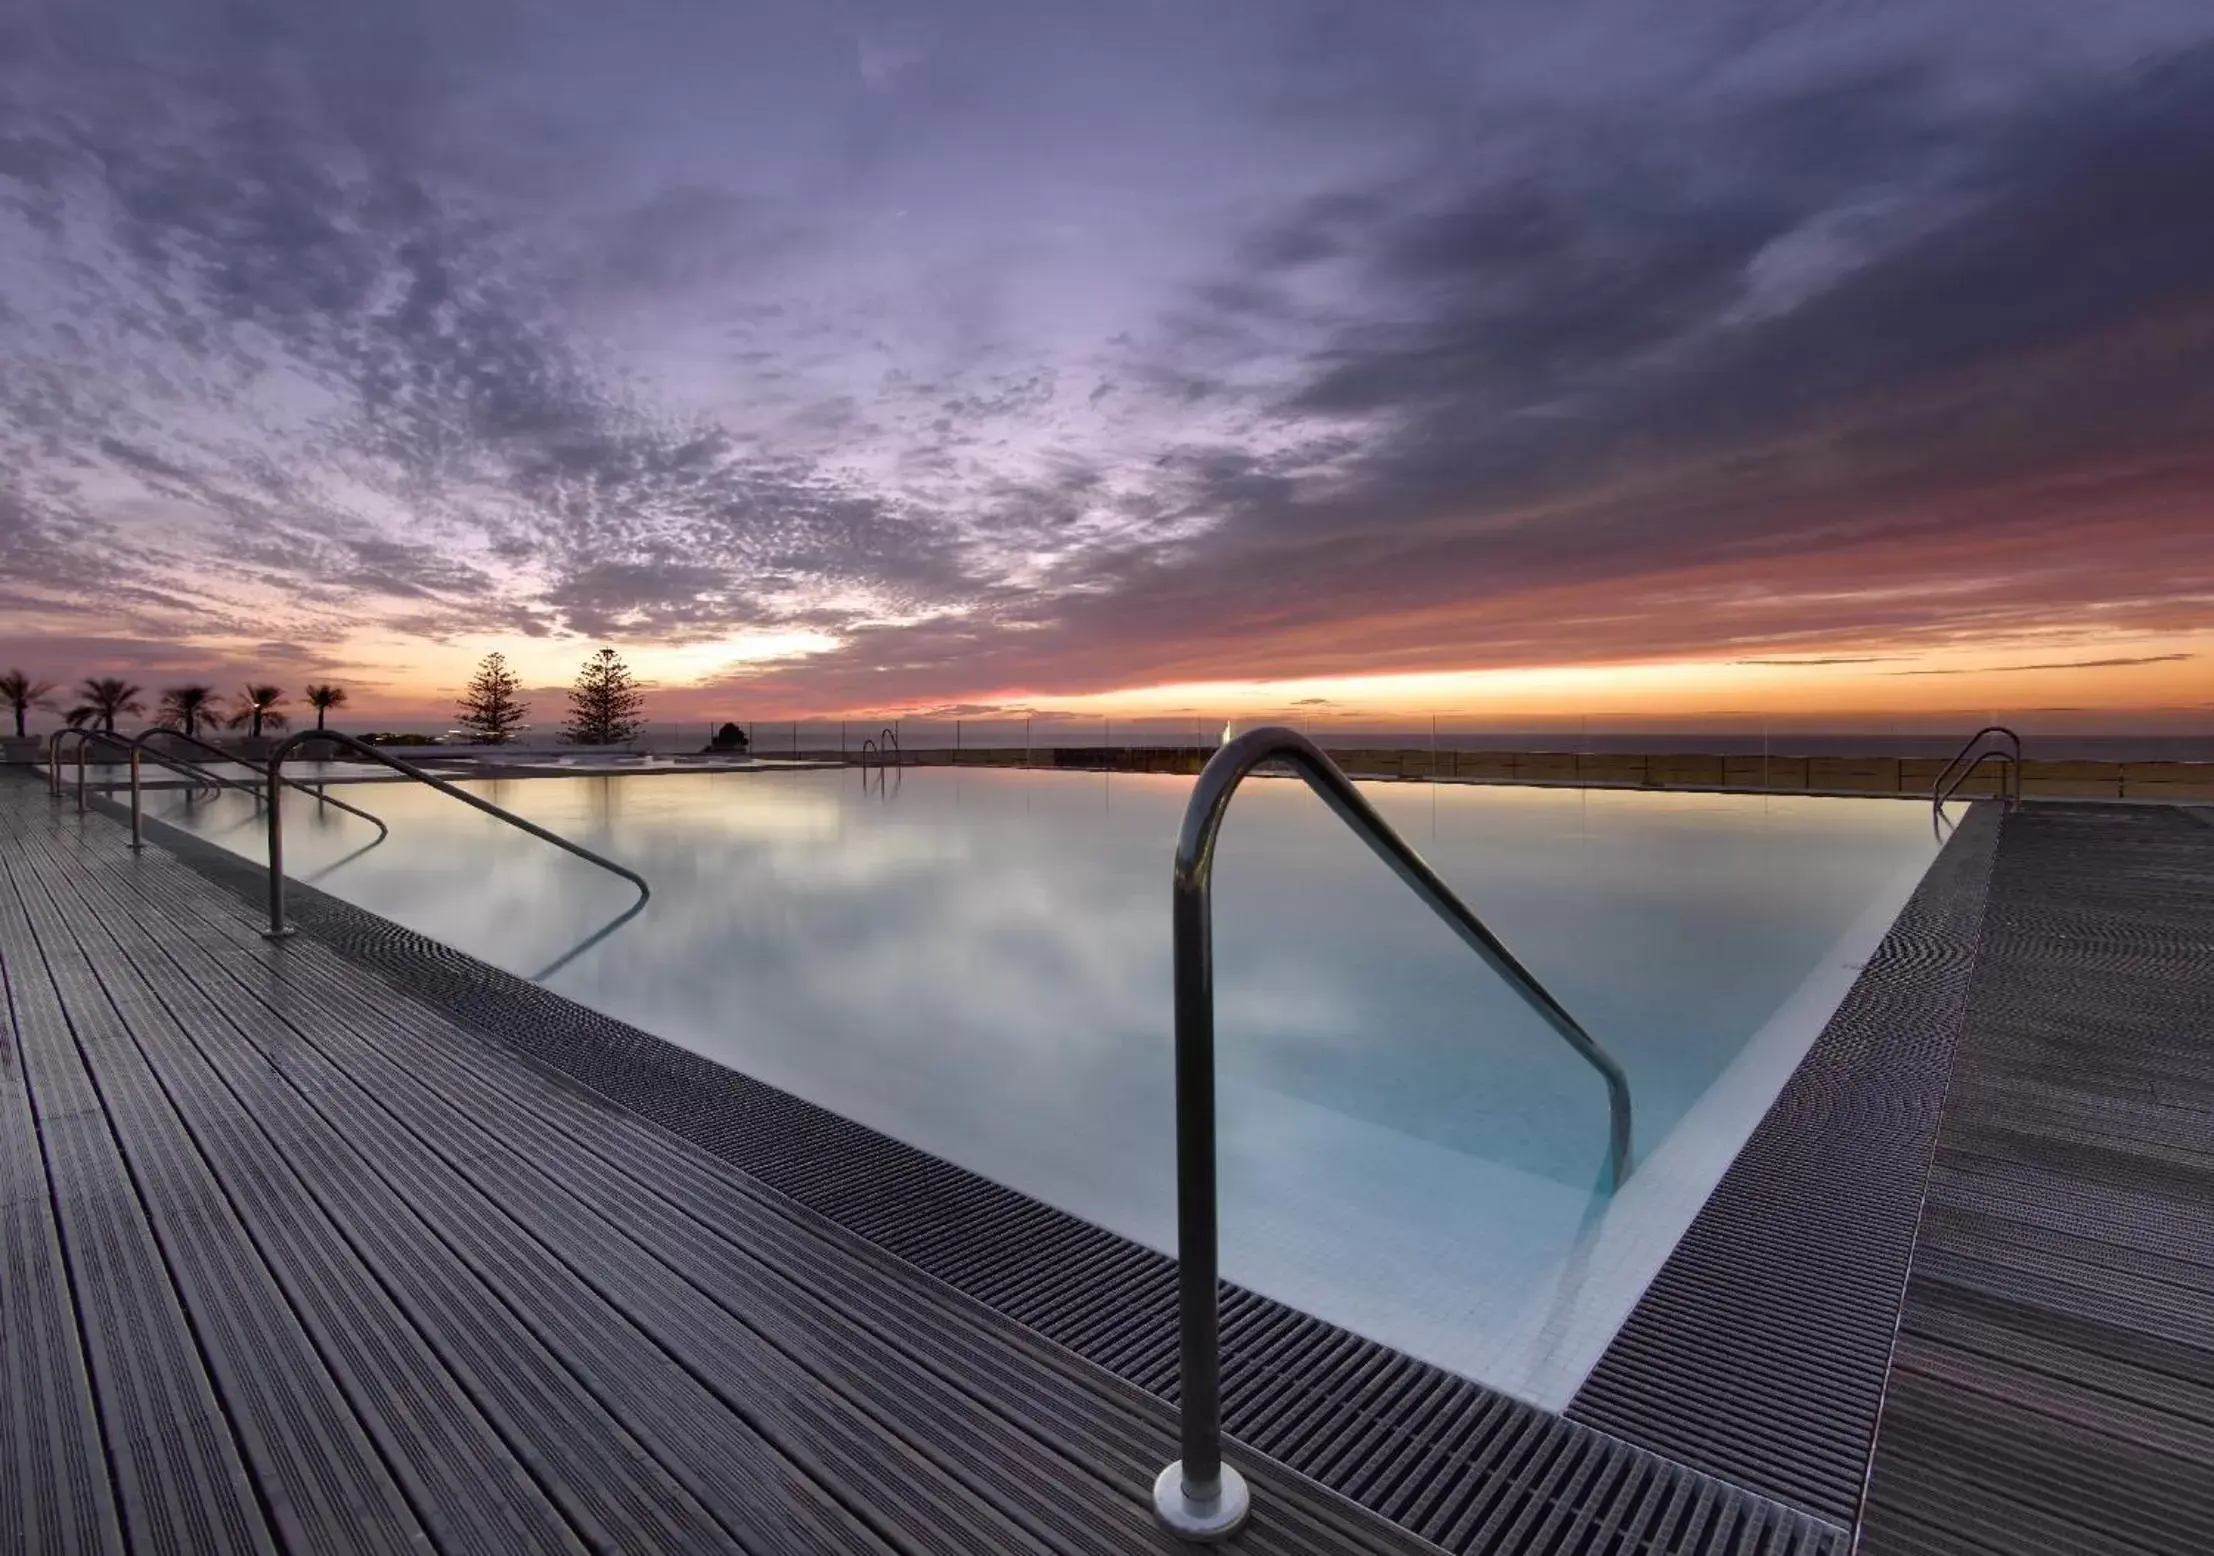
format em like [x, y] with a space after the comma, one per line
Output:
[977, 962]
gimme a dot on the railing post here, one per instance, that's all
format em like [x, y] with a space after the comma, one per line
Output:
[277, 783]
[278, 929]
[1198, 1497]
[138, 824]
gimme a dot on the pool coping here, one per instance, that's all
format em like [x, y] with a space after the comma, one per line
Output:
[1419, 1444]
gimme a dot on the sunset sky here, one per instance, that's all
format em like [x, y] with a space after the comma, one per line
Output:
[971, 354]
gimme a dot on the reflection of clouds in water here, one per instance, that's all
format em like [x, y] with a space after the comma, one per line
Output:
[979, 964]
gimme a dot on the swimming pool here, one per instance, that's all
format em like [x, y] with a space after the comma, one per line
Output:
[977, 962]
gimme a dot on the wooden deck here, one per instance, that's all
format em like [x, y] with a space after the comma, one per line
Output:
[2052, 1390]
[289, 1262]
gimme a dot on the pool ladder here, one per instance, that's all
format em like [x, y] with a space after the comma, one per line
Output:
[1972, 754]
[139, 749]
[210, 748]
[278, 929]
[136, 753]
[1199, 1497]
[885, 748]
[274, 780]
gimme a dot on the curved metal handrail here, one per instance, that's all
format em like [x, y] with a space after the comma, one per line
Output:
[261, 797]
[868, 746]
[2010, 789]
[1199, 1497]
[250, 790]
[888, 742]
[1953, 776]
[137, 746]
[53, 755]
[888, 780]
[53, 759]
[202, 778]
[214, 750]
[122, 743]
[277, 928]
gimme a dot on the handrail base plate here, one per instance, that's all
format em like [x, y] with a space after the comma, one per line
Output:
[1202, 1521]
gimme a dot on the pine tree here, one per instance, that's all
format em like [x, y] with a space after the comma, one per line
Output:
[605, 703]
[491, 708]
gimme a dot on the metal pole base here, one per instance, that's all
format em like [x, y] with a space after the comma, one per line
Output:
[1202, 1520]
[285, 933]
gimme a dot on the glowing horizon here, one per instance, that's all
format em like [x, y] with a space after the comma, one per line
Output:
[2164, 676]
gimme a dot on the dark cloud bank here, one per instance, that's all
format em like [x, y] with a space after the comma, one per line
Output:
[1820, 345]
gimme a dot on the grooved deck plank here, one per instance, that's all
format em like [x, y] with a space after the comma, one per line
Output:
[54, 1491]
[179, 1482]
[527, 1336]
[471, 1489]
[2053, 1389]
[608, 1318]
[322, 1483]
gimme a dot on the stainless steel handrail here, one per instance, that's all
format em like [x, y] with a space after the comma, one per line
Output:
[214, 750]
[122, 743]
[2010, 789]
[884, 753]
[258, 792]
[1940, 791]
[1199, 1497]
[277, 929]
[53, 758]
[136, 745]
[53, 755]
[202, 777]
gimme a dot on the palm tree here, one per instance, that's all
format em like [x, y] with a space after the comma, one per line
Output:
[324, 698]
[22, 694]
[107, 698]
[257, 705]
[191, 706]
